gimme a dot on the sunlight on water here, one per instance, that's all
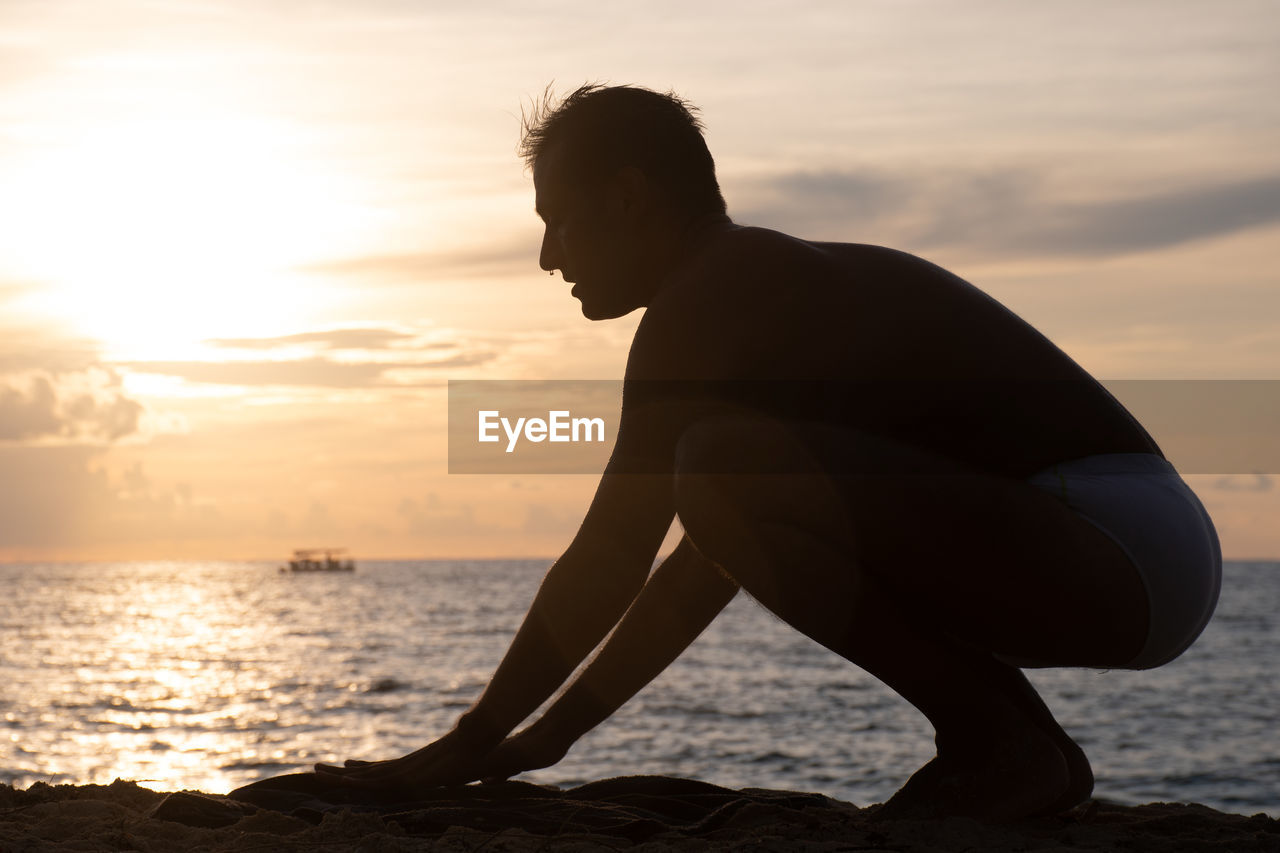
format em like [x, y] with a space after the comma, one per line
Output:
[213, 675]
[153, 671]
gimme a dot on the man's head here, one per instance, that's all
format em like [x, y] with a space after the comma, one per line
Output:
[620, 172]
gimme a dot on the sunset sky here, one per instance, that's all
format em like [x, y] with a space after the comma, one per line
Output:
[243, 246]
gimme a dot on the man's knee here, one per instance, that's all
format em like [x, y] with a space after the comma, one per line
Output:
[728, 445]
[734, 474]
[705, 509]
[711, 458]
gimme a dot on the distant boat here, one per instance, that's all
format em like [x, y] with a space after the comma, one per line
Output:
[319, 560]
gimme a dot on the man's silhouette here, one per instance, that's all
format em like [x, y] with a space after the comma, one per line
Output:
[881, 454]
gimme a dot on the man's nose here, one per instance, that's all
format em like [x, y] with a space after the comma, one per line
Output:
[549, 256]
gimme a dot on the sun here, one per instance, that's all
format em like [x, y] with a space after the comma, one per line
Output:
[151, 235]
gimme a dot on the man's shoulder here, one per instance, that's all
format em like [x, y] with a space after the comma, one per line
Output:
[729, 305]
[752, 252]
[753, 271]
[756, 243]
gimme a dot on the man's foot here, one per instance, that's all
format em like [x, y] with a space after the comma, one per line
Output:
[1015, 778]
[1080, 786]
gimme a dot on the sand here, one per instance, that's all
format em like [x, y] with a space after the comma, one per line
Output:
[631, 813]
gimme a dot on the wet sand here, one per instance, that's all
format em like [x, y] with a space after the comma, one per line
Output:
[631, 813]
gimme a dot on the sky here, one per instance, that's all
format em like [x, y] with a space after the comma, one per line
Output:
[245, 246]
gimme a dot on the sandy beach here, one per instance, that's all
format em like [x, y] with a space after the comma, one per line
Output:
[631, 813]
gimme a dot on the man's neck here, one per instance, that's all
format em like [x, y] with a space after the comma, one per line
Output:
[701, 228]
[690, 239]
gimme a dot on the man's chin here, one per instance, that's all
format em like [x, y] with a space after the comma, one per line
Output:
[591, 309]
[598, 309]
[603, 312]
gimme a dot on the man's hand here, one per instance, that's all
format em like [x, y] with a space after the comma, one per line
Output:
[526, 750]
[450, 761]
[447, 761]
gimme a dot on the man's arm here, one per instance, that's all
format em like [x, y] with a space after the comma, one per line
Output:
[678, 602]
[582, 597]
[580, 600]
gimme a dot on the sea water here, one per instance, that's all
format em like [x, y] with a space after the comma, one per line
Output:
[212, 675]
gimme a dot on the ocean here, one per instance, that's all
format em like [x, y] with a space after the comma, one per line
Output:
[210, 675]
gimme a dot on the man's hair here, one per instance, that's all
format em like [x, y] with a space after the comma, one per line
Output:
[601, 129]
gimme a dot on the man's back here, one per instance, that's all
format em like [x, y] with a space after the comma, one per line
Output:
[877, 340]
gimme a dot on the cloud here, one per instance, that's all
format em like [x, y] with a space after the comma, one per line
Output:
[367, 338]
[64, 498]
[29, 414]
[86, 406]
[309, 372]
[1241, 483]
[319, 522]
[27, 349]
[352, 357]
[49, 496]
[415, 268]
[1170, 219]
[544, 520]
[825, 198]
[432, 517]
[1010, 212]
[306, 372]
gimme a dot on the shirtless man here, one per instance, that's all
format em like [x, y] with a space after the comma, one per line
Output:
[881, 454]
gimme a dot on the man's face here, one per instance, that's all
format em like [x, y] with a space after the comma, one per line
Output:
[589, 238]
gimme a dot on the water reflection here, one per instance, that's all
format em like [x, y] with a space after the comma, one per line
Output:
[212, 675]
[156, 664]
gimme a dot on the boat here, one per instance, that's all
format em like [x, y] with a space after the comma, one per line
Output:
[320, 560]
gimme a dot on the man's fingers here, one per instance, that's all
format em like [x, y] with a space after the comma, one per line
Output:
[350, 770]
[440, 763]
[361, 776]
[349, 764]
[355, 782]
[501, 765]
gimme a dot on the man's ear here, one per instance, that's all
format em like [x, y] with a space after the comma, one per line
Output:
[636, 194]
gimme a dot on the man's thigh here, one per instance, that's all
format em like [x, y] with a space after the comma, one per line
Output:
[989, 559]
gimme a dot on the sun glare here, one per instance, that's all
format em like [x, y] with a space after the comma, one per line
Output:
[153, 235]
